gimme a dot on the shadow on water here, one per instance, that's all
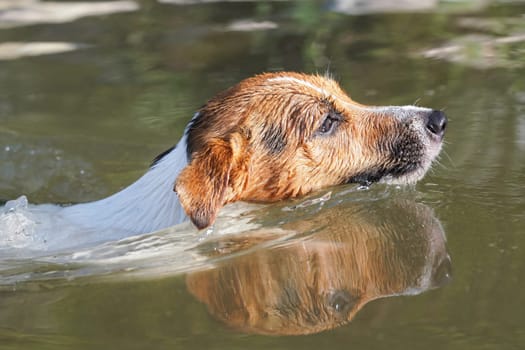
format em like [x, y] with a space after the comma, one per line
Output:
[285, 274]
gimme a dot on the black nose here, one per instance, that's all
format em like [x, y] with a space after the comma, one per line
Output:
[437, 122]
[442, 273]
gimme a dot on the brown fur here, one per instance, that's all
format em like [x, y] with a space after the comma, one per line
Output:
[260, 141]
[319, 282]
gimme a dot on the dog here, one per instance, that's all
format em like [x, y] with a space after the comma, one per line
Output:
[270, 137]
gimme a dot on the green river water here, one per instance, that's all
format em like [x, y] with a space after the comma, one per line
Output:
[438, 266]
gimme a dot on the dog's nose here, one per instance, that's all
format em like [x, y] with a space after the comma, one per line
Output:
[437, 122]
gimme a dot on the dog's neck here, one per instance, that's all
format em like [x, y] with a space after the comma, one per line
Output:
[149, 204]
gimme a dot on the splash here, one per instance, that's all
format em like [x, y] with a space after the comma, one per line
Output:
[17, 224]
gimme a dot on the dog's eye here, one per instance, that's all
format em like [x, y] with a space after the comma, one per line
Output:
[330, 121]
[342, 302]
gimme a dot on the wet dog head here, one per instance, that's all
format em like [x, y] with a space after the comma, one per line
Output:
[281, 135]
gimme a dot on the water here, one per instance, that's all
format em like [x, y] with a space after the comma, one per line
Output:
[436, 266]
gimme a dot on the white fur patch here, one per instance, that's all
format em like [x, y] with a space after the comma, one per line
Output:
[149, 204]
[303, 83]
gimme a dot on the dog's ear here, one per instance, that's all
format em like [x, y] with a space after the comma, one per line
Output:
[210, 180]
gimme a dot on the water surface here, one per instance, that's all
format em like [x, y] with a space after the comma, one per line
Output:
[437, 266]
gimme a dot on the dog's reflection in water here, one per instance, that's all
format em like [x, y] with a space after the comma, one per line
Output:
[320, 281]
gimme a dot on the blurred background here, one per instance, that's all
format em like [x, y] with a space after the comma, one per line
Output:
[91, 91]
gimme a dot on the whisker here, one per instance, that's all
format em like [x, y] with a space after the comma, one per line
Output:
[449, 158]
[440, 164]
[327, 71]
